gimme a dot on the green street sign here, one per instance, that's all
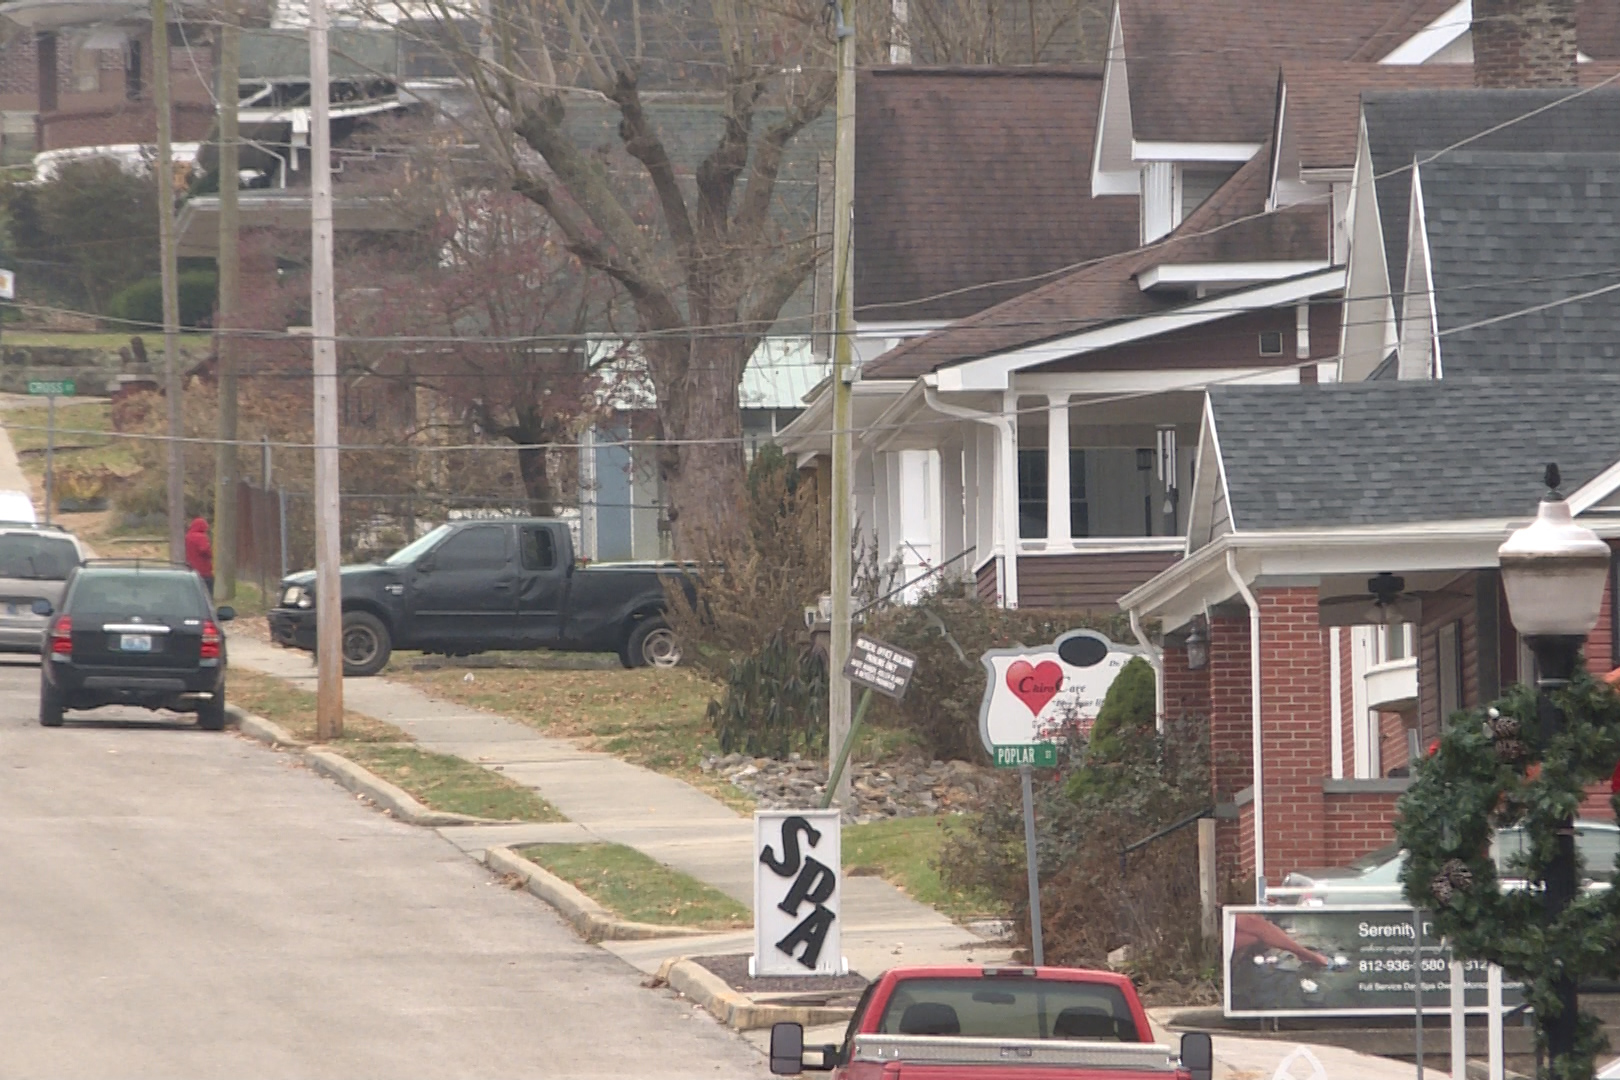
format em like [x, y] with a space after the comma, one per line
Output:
[51, 387]
[1036, 755]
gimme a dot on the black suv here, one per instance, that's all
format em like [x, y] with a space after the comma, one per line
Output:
[133, 633]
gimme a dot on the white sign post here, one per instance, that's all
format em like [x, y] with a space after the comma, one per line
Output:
[797, 893]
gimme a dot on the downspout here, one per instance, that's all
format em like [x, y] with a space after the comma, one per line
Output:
[1009, 517]
[1156, 658]
[1254, 699]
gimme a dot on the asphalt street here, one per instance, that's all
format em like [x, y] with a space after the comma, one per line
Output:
[176, 903]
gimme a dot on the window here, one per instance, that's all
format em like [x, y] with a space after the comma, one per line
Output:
[482, 547]
[1009, 1008]
[1032, 486]
[1448, 669]
[539, 550]
[127, 594]
[33, 557]
[132, 70]
[1271, 343]
[1394, 643]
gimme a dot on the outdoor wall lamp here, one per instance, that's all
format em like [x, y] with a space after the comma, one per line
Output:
[1197, 646]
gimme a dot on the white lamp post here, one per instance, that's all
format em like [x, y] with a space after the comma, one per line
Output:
[1554, 572]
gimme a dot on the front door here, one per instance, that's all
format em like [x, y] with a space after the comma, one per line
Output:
[542, 586]
[464, 591]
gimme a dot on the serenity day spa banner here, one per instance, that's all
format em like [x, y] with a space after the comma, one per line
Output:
[1348, 961]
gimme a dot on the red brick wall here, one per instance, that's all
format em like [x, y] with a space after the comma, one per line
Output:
[1391, 742]
[134, 122]
[1357, 824]
[1231, 757]
[1186, 692]
[1295, 719]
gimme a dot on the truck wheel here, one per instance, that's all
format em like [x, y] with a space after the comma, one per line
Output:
[366, 643]
[652, 644]
[50, 705]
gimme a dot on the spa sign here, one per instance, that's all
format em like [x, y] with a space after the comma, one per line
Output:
[797, 893]
[1033, 694]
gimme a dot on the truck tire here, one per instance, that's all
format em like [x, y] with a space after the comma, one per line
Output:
[366, 643]
[652, 644]
[50, 705]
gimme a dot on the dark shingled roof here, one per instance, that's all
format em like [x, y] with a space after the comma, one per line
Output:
[1322, 112]
[1230, 225]
[1207, 71]
[1512, 231]
[973, 176]
[1388, 453]
[1405, 125]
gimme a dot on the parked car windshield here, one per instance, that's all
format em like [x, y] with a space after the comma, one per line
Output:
[416, 548]
[36, 556]
[1009, 1008]
[132, 593]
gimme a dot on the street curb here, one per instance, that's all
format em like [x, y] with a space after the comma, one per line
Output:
[265, 731]
[356, 778]
[591, 920]
[737, 1010]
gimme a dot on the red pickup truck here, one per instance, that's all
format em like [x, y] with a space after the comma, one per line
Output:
[996, 1023]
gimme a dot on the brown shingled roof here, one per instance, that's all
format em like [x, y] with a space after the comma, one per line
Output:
[968, 176]
[1207, 71]
[1230, 225]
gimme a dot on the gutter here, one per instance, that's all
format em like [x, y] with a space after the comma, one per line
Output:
[1156, 658]
[1009, 523]
[1254, 702]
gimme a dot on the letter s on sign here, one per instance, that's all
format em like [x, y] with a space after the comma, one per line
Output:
[788, 864]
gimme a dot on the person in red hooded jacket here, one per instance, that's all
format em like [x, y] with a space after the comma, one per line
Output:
[200, 553]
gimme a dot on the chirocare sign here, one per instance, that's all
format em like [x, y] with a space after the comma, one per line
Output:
[1033, 693]
[797, 893]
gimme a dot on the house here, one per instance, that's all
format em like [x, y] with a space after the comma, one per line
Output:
[1321, 508]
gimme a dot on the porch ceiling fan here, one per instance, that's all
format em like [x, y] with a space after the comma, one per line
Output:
[1386, 603]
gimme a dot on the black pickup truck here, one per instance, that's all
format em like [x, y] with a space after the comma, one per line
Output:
[472, 586]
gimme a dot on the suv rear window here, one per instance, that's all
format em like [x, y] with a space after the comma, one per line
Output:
[36, 556]
[1009, 1008]
[154, 596]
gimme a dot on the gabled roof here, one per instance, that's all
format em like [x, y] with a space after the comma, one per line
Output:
[1386, 453]
[1404, 125]
[1510, 232]
[1231, 225]
[1321, 112]
[1206, 71]
[967, 177]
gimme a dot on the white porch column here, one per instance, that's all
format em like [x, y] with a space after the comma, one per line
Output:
[913, 491]
[883, 516]
[952, 509]
[1057, 471]
[1007, 498]
[970, 498]
[987, 538]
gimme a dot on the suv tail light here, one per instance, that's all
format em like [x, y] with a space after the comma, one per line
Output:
[62, 636]
[210, 641]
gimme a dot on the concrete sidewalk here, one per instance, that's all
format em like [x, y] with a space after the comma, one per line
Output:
[611, 800]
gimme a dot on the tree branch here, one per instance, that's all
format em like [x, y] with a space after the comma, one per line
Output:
[643, 144]
[767, 165]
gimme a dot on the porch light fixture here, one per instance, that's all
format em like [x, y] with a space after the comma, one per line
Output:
[1197, 646]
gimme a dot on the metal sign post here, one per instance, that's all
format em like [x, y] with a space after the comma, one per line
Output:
[49, 389]
[1037, 951]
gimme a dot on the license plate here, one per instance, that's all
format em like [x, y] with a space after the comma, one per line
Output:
[135, 642]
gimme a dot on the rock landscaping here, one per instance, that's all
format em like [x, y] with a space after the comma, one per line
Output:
[913, 787]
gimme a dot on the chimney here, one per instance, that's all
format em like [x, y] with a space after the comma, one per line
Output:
[1524, 43]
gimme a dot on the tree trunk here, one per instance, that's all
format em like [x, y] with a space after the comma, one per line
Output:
[701, 463]
[536, 470]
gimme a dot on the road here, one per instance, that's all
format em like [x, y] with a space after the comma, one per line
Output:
[178, 904]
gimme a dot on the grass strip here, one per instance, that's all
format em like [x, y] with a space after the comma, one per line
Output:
[905, 852]
[451, 784]
[294, 709]
[635, 887]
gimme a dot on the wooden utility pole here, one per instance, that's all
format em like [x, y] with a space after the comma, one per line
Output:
[230, 66]
[171, 289]
[328, 554]
[843, 443]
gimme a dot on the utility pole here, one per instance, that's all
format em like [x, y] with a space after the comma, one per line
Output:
[171, 294]
[328, 586]
[230, 66]
[843, 441]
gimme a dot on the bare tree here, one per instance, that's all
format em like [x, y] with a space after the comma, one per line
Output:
[1002, 32]
[699, 244]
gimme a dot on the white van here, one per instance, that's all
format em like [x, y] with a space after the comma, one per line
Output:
[17, 506]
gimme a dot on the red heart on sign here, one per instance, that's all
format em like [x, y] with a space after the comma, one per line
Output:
[1035, 684]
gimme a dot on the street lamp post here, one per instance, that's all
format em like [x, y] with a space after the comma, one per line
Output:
[1554, 572]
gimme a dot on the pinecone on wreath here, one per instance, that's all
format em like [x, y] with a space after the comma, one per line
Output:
[1504, 732]
[1454, 877]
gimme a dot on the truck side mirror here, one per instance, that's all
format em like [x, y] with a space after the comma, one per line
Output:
[787, 1049]
[1198, 1054]
[424, 565]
